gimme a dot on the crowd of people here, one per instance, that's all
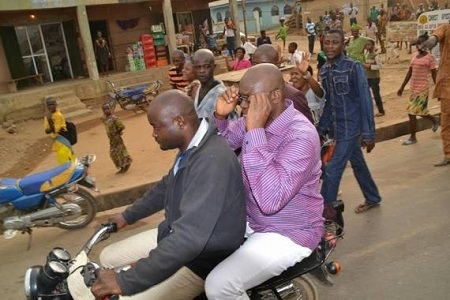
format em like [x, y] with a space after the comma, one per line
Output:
[247, 194]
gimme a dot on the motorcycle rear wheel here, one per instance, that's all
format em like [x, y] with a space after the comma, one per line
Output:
[87, 203]
[302, 288]
[305, 289]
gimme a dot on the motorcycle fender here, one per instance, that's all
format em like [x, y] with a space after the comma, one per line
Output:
[89, 182]
[75, 281]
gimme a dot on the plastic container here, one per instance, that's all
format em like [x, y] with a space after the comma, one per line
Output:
[158, 35]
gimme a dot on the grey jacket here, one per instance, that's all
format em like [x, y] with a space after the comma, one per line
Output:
[205, 215]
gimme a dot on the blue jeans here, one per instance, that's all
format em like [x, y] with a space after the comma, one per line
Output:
[344, 151]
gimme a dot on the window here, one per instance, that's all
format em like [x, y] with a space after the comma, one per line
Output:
[287, 9]
[258, 10]
[275, 11]
[219, 17]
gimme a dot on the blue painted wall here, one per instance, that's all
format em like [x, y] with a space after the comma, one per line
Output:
[270, 12]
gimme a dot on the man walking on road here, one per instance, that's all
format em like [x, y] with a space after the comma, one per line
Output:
[348, 118]
[310, 29]
[442, 89]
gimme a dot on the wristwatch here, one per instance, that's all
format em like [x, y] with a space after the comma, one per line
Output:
[307, 75]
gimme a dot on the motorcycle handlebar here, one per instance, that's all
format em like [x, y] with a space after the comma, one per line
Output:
[101, 234]
[90, 275]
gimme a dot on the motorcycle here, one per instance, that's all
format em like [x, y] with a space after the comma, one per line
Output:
[49, 198]
[133, 97]
[62, 278]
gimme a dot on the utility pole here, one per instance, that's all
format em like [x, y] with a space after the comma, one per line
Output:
[245, 18]
[235, 17]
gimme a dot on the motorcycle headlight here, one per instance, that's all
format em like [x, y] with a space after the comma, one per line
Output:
[31, 282]
[59, 254]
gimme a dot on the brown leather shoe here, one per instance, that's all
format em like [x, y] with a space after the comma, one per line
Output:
[444, 162]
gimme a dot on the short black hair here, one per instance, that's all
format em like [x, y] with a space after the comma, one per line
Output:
[239, 48]
[293, 44]
[338, 31]
[262, 31]
[422, 38]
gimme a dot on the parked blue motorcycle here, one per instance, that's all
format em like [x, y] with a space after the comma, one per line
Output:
[49, 198]
[133, 97]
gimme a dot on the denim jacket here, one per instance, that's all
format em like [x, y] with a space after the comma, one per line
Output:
[348, 110]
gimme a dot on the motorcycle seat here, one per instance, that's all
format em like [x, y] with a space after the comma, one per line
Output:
[47, 180]
[133, 91]
[306, 265]
[9, 189]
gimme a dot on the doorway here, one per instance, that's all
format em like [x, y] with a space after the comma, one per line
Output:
[102, 26]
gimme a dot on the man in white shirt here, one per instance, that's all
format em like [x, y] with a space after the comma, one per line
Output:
[310, 28]
[353, 13]
[294, 55]
[249, 48]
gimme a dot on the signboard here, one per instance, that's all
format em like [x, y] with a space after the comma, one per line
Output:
[430, 20]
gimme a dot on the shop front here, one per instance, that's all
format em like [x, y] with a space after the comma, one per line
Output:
[45, 43]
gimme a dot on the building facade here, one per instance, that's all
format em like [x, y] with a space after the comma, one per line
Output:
[56, 37]
[259, 15]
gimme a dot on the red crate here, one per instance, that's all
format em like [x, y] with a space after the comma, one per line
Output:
[147, 38]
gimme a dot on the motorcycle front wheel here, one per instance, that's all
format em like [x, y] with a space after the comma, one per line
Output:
[83, 199]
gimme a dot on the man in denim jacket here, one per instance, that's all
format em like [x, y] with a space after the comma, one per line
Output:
[348, 118]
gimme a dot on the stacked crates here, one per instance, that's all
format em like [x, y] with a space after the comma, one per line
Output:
[160, 49]
[148, 48]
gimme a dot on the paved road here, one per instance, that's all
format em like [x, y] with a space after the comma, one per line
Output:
[396, 251]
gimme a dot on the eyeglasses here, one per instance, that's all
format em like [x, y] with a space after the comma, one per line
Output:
[242, 98]
[245, 98]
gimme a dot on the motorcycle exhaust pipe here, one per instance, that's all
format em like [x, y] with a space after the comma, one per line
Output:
[45, 217]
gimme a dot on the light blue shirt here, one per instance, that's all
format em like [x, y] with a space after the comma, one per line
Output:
[198, 137]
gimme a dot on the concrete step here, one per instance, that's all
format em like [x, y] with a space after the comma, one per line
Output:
[70, 105]
[74, 106]
[62, 95]
[77, 114]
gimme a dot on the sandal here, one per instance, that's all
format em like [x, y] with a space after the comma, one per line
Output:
[379, 115]
[436, 124]
[409, 142]
[444, 162]
[365, 207]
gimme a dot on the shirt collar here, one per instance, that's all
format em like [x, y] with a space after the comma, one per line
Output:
[336, 61]
[199, 135]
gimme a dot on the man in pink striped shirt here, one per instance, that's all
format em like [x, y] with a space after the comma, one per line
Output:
[281, 169]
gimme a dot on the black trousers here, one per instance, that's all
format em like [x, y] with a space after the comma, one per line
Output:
[311, 39]
[374, 84]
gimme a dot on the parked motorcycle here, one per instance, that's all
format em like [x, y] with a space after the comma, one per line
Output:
[49, 198]
[133, 97]
[63, 278]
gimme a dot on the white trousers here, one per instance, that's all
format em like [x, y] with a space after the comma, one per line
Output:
[261, 257]
[183, 285]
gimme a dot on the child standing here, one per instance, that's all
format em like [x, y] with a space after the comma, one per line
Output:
[54, 126]
[372, 65]
[422, 63]
[114, 129]
[282, 32]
